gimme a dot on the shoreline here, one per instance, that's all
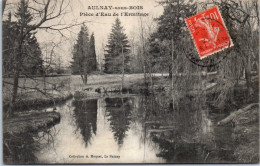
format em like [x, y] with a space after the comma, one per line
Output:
[30, 122]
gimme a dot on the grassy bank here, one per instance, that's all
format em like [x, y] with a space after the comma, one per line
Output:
[245, 122]
[247, 136]
[27, 102]
[30, 122]
[33, 94]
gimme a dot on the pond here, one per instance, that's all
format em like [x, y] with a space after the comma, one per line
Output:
[129, 129]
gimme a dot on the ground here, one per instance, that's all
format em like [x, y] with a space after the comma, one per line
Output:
[246, 132]
[30, 122]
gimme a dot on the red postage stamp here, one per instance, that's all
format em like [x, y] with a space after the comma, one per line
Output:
[209, 32]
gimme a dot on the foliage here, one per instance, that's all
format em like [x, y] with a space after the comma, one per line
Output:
[84, 55]
[23, 48]
[171, 27]
[117, 45]
[160, 52]
[31, 59]
[92, 52]
[243, 59]
[171, 23]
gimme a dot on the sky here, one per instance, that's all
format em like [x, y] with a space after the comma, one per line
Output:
[99, 25]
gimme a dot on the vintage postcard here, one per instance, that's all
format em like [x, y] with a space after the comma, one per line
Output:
[130, 81]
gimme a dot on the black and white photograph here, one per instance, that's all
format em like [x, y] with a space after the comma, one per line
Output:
[130, 82]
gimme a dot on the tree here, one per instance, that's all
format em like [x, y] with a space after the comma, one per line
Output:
[32, 56]
[80, 53]
[117, 58]
[145, 34]
[32, 60]
[31, 17]
[92, 53]
[24, 18]
[171, 24]
[159, 51]
[168, 39]
[10, 33]
[244, 53]
[84, 55]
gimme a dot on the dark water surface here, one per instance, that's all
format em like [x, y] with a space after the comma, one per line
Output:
[128, 129]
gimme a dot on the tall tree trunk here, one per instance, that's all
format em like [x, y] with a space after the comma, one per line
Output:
[170, 70]
[172, 82]
[123, 70]
[14, 94]
[144, 52]
[85, 77]
[248, 76]
[145, 79]
[151, 74]
[17, 62]
[82, 78]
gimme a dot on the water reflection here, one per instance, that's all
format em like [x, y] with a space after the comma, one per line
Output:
[119, 112]
[185, 134]
[21, 148]
[85, 113]
[139, 129]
